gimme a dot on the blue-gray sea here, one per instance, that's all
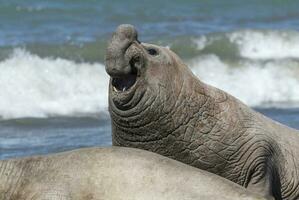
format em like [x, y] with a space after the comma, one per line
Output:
[53, 86]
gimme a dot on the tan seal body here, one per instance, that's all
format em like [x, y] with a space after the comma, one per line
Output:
[157, 104]
[111, 174]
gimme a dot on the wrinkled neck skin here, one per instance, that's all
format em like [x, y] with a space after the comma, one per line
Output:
[187, 120]
[182, 119]
[9, 179]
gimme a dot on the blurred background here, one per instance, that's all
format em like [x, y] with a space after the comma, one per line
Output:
[53, 86]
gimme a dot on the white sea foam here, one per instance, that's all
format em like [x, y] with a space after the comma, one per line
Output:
[255, 83]
[266, 44]
[255, 44]
[40, 87]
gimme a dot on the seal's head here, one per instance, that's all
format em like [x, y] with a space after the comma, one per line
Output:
[136, 68]
[145, 85]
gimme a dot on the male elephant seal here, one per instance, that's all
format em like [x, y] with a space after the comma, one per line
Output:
[157, 104]
[111, 174]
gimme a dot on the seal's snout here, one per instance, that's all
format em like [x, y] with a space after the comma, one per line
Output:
[123, 57]
[117, 62]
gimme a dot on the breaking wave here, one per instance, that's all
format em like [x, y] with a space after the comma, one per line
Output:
[260, 67]
[256, 83]
[266, 44]
[40, 87]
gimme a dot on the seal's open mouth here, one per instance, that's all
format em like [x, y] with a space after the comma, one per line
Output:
[123, 84]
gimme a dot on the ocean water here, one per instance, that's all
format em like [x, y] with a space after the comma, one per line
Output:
[53, 84]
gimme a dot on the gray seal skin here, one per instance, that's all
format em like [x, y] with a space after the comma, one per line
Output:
[111, 174]
[157, 104]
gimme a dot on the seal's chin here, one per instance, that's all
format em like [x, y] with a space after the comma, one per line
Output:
[124, 83]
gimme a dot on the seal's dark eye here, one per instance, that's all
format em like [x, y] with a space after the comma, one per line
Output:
[152, 52]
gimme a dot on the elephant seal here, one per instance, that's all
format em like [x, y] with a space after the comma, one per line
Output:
[113, 174]
[157, 104]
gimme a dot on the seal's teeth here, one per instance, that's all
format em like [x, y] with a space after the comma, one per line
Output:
[114, 89]
[124, 89]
